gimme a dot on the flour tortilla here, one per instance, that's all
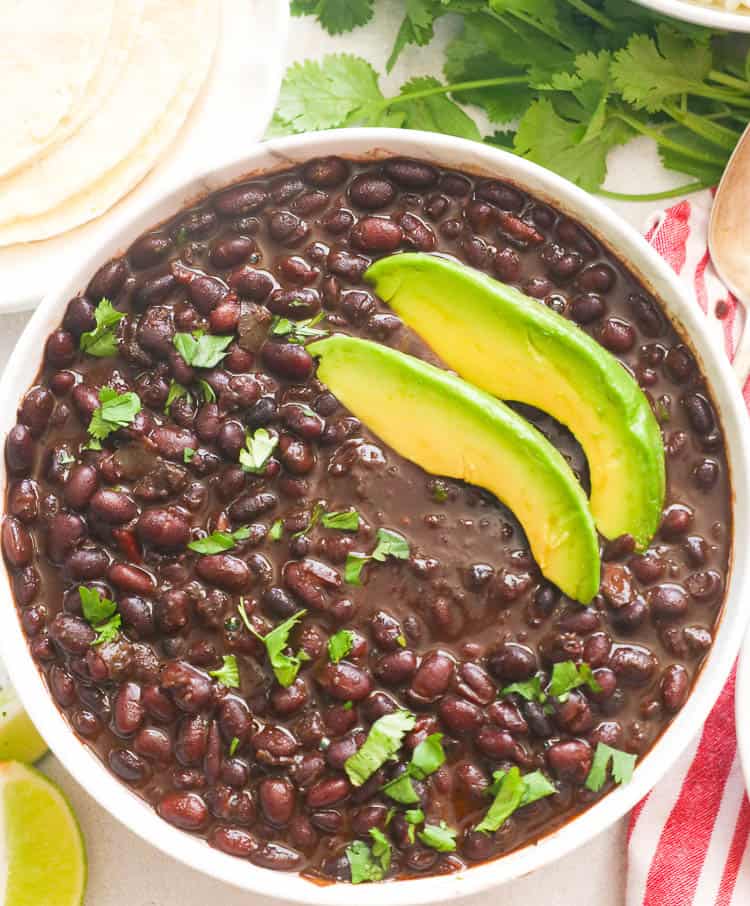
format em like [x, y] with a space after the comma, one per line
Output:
[159, 64]
[50, 50]
[98, 196]
[125, 25]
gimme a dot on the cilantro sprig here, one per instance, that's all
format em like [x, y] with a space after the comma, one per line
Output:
[285, 666]
[102, 340]
[566, 676]
[340, 644]
[388, 544]
[101, 614]
[116, 410]
[298, 331]
[369, 863]
[563, 82]
[217, 542]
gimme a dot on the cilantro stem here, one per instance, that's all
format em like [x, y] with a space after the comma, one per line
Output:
[527, 20]
[723, 78]
[717, 94]
[710, 131]
[592, 13]
[661, 139]
[450, 89]
[656, 196]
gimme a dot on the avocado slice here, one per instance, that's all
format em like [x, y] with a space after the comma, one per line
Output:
[517, 349]
[448, 427]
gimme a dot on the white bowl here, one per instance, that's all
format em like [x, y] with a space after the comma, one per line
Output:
[710, 16]
[113, 795]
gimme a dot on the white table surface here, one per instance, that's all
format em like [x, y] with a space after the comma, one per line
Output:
[123, 870]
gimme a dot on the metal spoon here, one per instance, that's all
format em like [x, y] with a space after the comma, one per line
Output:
[729, 241]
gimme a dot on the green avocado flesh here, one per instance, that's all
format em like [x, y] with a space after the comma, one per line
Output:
[518, 349]
[448, 427]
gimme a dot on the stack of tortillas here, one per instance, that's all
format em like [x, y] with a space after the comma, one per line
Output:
[98, 90]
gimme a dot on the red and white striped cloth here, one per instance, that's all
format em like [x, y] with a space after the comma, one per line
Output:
[688, 840]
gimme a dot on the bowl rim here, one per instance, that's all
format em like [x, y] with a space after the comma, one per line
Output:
[709, 16]
[631, 247]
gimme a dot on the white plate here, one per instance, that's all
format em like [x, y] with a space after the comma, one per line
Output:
[232, 112]
[710, 16]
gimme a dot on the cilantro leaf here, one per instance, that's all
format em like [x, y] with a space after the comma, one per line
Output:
[433, 112]
[362, 865]
[257, 450]
[439, 837]
[417, 26]
[117, 410]
[381, 848]
[427, 757]
[298, 331]
[383, 741]
[209, 396]
[530, 689]
[506, 801]
[336, 16]
[276, 530]
[512, 791]
[102, 340]
[344, 520]
[201, 350]
[285, 666]
[229, 673]
[390, 544]
[233, 746]
[340, 644]
[623, 764]
[646, 75]
[566, 676]
[414, 816]
[175, 392]
[324, 94]
[100, 613]
[217, 542]
[187, 455]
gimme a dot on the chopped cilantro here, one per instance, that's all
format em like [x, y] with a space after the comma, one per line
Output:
[566, 676]
[439, 837]
[512, 790]
[340, 644]
[276, 530]
[201, 350]
[401, 640]
[344, 520]
[439, 490]
[381, 848]
[101, 614]
[389, 544]
[623, 764]
[187, 455]
[229, 673]
[64, 458]
[208, 391]
[362, 865]
[102, 340]
[413, 817]
[217, 542]
[530, 689]
[383, 742]
[298, 331]
[257, 450]
[233, 746]
[117, 410]
[426, 758]
[285, 666]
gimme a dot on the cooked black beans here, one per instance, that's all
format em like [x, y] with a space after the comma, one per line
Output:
[204, 550]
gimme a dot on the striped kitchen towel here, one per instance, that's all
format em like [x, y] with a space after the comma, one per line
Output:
[688, 839]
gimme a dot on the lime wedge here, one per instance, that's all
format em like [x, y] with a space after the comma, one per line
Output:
[19, 740]
[44, 851]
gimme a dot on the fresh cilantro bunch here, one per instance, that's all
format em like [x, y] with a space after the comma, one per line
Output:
[563, 82]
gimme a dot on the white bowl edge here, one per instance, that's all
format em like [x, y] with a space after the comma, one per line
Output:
[632, 248]
[709, 16]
